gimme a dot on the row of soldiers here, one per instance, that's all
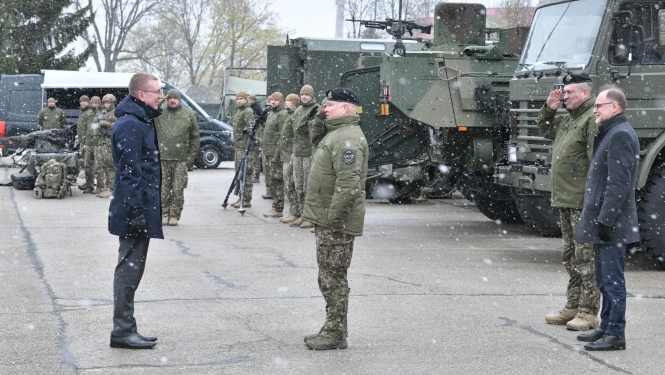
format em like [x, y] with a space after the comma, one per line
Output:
[287, 150]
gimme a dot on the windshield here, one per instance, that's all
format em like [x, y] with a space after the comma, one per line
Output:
[563, 35]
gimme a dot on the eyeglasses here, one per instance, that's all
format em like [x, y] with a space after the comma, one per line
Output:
[154, 91]
[596, 106]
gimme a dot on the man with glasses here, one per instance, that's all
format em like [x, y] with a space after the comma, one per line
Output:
[134, 214]
[609, 218]
[572, 151]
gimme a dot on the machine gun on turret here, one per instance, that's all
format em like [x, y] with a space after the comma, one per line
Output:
[396, 28]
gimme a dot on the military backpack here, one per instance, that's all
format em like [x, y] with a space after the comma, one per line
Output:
[52, 180]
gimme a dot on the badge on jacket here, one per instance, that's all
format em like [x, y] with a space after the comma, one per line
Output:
[348, 160]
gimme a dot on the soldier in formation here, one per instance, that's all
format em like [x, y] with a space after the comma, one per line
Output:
[273, 170]
[572, 151]
[255, 151]
[339, 170]
[51, 117]
[104, 160]
[178, 137]
[240, 123]
[86, 118]
[283, 155]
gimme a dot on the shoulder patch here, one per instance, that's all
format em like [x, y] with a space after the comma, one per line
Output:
[348, 157]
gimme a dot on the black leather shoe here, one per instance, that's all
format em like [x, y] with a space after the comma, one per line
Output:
[147, 338]
[130, 342]
[593, 336]
[266, 196]
[607, 342]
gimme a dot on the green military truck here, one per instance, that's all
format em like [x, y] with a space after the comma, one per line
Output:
[619, 42]
[451, 102]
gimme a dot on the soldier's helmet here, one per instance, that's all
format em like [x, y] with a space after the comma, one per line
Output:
[109, 98]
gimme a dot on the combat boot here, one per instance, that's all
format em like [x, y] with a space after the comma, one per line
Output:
[422, 199]
[165, 220]
[562, 317]
[288, 219]
[266, 196]
[236, 204]
[306, 224]
[273, 213]
[245, 205]
[96, 191]
[173, 222]
[296, 223]
[105, 194]
[326, 343]
[583, 322]
[256, 180]
[87, 191]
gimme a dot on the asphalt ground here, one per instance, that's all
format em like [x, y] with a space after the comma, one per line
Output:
[436, 288]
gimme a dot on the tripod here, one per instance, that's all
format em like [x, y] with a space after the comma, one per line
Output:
[240, 177]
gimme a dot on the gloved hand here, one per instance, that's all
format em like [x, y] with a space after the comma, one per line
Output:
[604, 232]
[245, 131]
[137, 226]
[189, 161]
[315, 109]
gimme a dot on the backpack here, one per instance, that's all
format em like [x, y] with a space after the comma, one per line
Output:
[52, 180]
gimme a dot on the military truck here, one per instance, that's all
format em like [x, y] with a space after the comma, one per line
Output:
[450, 102]
[618, 42]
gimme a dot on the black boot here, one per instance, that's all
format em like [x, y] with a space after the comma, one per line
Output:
[592, 336]
[607, 342]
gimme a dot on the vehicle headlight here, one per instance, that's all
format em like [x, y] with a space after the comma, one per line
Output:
[512, 154]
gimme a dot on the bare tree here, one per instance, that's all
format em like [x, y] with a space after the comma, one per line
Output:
[516, 13]
[366, 9]
[111, 25]
[359, 10]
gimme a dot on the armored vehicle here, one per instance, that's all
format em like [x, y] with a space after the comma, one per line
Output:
[618, 42]
[449, 103]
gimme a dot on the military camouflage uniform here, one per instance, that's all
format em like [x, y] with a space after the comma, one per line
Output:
[240, 122]
[302, 149]
[336, 199]
[283, 154]
[83, 128]
[51, 118]
[273, 171]
[178, 136]
[572, 151]
[105, 169]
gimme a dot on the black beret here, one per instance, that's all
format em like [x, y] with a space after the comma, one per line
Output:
[342, 94]
[576, 78]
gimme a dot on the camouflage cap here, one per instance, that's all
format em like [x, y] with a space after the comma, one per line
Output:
[277, 96]
[109, 98]
[173, 94]
[241, 94]
[342, 94]
[576, 78]
[95, 99]
[84, 98]
[293, 98]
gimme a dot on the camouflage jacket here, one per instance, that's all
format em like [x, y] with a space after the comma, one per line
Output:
[51, 118]
[240, 122]
[273, 129]
[95, 131]
[178, 134]
[107, 125]
[86, 118]
[284, 148]
[335, 195]
[572, 151]
[302, 127]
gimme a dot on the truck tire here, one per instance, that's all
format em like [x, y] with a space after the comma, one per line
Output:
[651, 212]
[539, 215]
[209, 157]
[505, 211]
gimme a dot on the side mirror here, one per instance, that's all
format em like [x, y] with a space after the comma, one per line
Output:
[199, 118]
[627, 46]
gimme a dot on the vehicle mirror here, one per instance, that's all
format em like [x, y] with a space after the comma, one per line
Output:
[635, 44]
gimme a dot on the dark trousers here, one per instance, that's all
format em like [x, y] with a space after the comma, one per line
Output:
[128, 273]
[612, 284]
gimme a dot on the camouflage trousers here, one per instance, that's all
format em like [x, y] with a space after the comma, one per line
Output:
[333, 256]
[248, 183]
[290, 188]
[174, 182]
[578, 259]
[255, 160]
[89, 166]
[274, 183]
[300, 175]
[104, 168]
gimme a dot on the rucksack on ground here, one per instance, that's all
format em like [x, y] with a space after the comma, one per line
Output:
[52, 180]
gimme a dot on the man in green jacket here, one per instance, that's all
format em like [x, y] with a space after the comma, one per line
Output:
[104, 159]
[336, 205]
[302, 147]
[273, 170]
[283, 155]
[572, 151]
[51, 117]
[83, 125]
[240, 123]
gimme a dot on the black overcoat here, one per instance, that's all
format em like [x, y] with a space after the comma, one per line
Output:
[610, 187]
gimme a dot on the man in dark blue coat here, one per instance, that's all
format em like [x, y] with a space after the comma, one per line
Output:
[609, 217]
[135, 212]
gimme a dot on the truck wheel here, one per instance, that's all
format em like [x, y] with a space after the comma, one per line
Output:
[539, 215]
[494, 209]
[209, 157]
[650, 213]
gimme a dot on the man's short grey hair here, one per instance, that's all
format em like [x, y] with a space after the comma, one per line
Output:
[139, 82]
[586, 85]
[615, 94]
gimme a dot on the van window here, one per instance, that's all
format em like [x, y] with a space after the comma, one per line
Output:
[69, 98]
[23, 101]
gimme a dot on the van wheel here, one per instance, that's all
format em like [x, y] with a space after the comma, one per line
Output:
[650, 209]
[209, 157]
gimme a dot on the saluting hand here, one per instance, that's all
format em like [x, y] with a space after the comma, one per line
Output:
[554, 100]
